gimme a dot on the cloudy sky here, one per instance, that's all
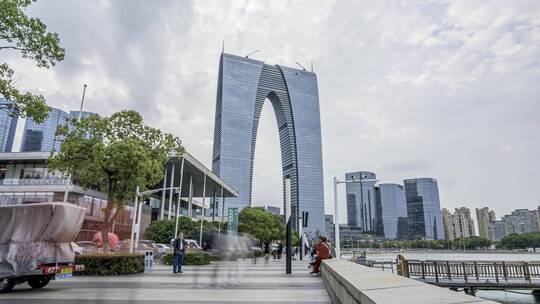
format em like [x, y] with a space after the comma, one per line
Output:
[441, 89]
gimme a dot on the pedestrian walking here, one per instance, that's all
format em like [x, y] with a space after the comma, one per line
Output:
[280, 250]
[179, 247]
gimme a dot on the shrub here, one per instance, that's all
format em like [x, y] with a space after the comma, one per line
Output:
[111, 264]
[190, 258]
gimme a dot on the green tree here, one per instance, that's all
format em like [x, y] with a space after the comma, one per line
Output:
[114, 155]
[472, 242]
[162, 231]
[523, 240]
[29, 36]
[261, 224]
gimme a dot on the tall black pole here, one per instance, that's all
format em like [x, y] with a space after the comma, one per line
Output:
[288, 218]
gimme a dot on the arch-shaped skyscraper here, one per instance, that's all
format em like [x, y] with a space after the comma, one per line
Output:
[243, 86]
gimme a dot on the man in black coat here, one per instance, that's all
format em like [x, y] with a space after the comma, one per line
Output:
[179, 247]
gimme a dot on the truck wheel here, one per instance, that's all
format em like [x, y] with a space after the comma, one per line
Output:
[38, 281]
[6, 285]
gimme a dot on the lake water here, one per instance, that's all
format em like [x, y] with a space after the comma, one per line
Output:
[506, 297]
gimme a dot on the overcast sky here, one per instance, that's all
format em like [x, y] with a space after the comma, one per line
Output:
[441, 89]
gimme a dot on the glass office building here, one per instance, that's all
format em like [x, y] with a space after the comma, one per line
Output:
[361, 200]
[8, 126]
[41, 137]
[393, 208]
[424, 209]
[243, 86]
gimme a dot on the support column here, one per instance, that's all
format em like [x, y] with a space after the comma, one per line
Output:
[134, 221]
[222, 206]
[171, 193]
[190, 197]
[203, 209]
[288, 225]
[162, 205]
[179, 199]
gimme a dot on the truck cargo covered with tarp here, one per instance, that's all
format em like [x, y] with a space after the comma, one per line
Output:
[35, 234]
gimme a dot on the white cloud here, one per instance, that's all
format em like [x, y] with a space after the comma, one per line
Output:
[431, 88]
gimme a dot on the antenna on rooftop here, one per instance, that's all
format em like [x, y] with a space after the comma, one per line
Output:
[298, 64]
[312, 67]
[256, 51]
[223, 46]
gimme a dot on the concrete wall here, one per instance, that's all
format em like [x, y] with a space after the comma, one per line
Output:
[348, 282]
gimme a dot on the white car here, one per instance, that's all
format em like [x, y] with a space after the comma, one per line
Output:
[162, 249]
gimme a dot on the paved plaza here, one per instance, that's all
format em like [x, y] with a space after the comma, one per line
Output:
[222, 282]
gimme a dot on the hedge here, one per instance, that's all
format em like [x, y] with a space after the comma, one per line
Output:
[111, 264]
[190, 258]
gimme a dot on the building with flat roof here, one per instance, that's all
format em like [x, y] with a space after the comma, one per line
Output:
[243, 86]
[393, 211]
[424, 209]
[361, 200]
[187, 187]
[484, 217]
[8, 126]
[458, 225]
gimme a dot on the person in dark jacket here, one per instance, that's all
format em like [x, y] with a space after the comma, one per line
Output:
[266, 251]
[179, 247]
[279, 250]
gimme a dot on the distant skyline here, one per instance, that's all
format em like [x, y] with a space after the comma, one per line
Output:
[442, 89]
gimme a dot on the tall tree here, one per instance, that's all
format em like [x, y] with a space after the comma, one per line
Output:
[261, 224]
[114, 155]
[29, 36]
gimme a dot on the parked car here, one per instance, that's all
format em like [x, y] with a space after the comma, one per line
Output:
[162, 249]
[193, 244]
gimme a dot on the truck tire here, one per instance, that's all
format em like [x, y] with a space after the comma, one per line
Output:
[38, 281]
[6, 285]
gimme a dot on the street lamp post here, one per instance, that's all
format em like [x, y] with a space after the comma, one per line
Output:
[336, 209]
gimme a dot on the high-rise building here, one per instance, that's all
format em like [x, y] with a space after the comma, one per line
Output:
[484, 217]
[8, 126]
[448, 223]
[42, 137]
[361, 204]
[521, 221]
[424, 209]
[463, 223]
[393, 211]
[496, 230]
[243, 86]
[458, 225]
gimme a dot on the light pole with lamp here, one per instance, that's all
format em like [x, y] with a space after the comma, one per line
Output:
[336, 209]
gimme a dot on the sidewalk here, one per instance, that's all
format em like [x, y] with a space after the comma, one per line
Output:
[222, 282]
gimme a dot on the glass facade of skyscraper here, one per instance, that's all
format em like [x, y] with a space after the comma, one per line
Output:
[243, 86]
[424, 209]
[8, 125]
[361, 200]
[41, 137]
[393, 211]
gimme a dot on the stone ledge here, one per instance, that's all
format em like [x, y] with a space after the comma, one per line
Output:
[348, 283]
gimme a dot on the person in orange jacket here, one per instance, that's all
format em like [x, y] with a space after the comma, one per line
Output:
[323, 253]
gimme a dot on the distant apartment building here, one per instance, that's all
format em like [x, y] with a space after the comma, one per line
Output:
[522, 221]
[423, 209]
[458, 225]
[391, 211]
[8, 126]
[448, 223]
[42, 137]
[484, 217]
[361, 200]
[496, 230]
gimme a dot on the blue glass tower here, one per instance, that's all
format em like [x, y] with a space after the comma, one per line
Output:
[243, 86]
[361, 200]
[424, 209]
[41, 137]
[8, 126]
[393, 211]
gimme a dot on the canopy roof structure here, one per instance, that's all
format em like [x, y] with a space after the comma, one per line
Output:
[197, 172]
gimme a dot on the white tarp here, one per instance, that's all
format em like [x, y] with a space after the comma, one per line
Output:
[33, 234]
